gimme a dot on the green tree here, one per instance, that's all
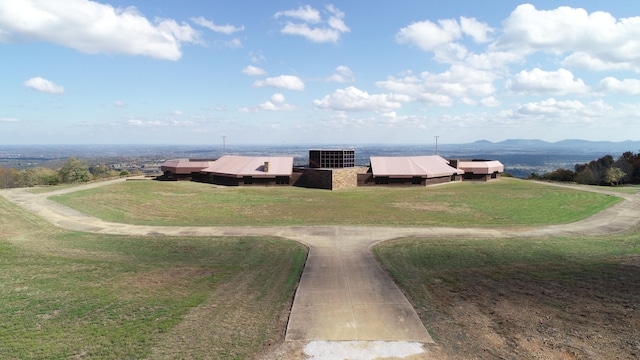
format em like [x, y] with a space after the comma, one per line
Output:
[613, 176]
[74, 171]
[586, 176]
[101, 172]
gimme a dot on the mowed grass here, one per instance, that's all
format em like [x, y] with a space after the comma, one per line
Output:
[506, 202]
[514, 292]
[70, 295]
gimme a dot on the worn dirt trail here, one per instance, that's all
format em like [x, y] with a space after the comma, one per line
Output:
[343, 293]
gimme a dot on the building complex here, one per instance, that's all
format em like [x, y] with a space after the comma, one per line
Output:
[331, 169]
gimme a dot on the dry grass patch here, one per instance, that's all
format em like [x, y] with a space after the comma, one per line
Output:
[77, 295]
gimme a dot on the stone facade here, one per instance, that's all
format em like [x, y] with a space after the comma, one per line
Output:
[346, 178]
[329, 179]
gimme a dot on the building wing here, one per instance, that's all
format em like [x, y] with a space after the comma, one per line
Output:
[481, 166]
[184, 166]
[412, 166]
[254, 166]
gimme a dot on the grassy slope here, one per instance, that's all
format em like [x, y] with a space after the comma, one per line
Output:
[66, 294]
[575, 294]
[503, 203]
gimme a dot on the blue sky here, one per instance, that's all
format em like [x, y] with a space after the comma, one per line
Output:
[342, 72]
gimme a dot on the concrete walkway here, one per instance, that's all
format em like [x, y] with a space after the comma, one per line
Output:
[343, 293]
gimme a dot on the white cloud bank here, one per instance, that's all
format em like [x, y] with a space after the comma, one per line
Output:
[44, 85]
[92, 27]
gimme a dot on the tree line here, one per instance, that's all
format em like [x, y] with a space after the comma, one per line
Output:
[603, 171]
[72, 171]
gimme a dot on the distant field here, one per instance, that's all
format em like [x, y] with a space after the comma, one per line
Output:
[547, 298]
[66, 295]
[506, 202]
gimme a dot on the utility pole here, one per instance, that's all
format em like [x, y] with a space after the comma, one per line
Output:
[224, 145]
[436, 143]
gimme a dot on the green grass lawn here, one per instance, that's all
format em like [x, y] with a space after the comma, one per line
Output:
[74, 295]
[506, 202]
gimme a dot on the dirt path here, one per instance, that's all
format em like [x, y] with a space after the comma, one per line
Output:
[345, 302]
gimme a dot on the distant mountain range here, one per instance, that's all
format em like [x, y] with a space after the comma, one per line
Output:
[573, 146]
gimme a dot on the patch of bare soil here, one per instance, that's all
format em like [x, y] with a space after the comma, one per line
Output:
[584, 313]
[429, 206]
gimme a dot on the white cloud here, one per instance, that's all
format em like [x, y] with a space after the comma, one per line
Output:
[354, 99]
[567, 112]
[311, 25]
[477, 30]
[119, 104]
[278, 98]
[9, 120]
[91, 27]
[439, 89]
[538, 81]
[253, 71]
[290, 82]
[596, 41]
[177, 112]
[225, 29]
[234, 43]
[159, 123]
[430, 36]
[490, 102]
[305, 13]
[342, 74]
[44, 85]
[276, 103]
[626, 86]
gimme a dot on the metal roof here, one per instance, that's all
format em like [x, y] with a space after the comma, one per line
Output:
[234, 165]
[184, 166]
[411, 166]
[481, 167]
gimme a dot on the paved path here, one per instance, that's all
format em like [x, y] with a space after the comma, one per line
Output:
[343, 293]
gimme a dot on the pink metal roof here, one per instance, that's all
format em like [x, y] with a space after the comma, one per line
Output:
[481, 167]
[184, 166]
[233, 165]
[410, 166]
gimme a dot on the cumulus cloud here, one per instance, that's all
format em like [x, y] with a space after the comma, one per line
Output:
[342, 74]
[276, 103]
[44, 85]
[310, 25]
[253, 71]
[490, 102]
[354, 99]
[290, 82]
[538, 81]
[92, 27]
[9, 120]
[119, 104]
[430, 36]
[626, 86]
[225, 29]
[596, 41]
[439, 88]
